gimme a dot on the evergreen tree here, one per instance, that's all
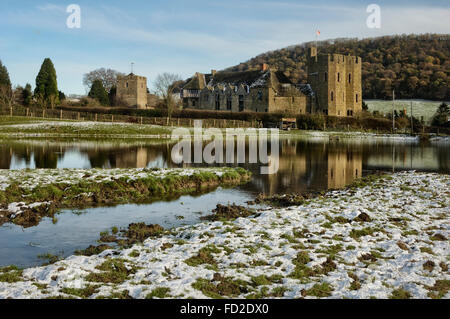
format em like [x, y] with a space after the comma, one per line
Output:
[46, 90]
[441, 116]
[62, 96]
[112, 96]
[6, 92]
[27, 95]
[4, 76]
[99, 93]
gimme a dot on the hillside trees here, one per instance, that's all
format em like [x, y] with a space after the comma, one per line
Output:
[415, 66]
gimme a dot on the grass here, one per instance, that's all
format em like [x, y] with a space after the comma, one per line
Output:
[222, 287]
[400, 294]
[358, 233]
[320, 290]
[82, 293]
[113, 271]
[439, 290]
[10, 274]
[160, 292]
[204, 256]
[301, 271]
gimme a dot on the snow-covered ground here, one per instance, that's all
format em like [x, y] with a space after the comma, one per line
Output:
[353, 136]
[387, 238]
[30, 179]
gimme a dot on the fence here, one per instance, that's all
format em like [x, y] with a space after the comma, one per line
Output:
[58, 114]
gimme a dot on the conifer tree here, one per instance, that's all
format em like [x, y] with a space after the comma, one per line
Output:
[6, 92]
[99, 93]
[46, 91]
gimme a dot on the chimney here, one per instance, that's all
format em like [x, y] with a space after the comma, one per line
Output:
[264, 67]
[213, 72]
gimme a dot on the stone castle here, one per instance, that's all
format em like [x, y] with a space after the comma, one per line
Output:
[132, 91]
[334, 88]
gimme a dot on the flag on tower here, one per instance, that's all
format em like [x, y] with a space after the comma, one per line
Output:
[318, 32]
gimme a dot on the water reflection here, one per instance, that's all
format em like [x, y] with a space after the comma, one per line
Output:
[303, 164]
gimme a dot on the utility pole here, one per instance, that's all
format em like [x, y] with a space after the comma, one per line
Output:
[393, 115]
[412, 121]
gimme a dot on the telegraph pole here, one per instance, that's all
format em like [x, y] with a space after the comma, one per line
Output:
[393, 115]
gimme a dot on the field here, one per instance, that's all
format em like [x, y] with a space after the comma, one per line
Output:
[420, 107]
[385, 237]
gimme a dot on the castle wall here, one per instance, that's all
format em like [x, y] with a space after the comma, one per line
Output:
[256, 100]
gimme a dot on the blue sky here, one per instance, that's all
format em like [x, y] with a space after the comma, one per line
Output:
[184, 37]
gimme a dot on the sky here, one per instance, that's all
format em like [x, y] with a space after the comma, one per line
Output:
[185, 37]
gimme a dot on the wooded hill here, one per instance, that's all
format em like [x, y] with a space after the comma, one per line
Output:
[416, 66]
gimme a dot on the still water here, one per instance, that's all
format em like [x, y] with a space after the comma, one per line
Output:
[303, 165]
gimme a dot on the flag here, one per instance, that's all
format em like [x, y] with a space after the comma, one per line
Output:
[318, 32]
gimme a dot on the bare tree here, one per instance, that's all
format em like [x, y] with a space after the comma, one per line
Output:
[7, 95]
[165, 85]
[107, 76]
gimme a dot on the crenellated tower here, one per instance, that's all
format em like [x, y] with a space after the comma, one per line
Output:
[336, 82]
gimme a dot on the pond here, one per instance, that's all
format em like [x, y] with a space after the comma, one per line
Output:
[304, 165]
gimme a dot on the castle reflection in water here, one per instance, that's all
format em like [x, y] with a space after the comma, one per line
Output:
[303, 165]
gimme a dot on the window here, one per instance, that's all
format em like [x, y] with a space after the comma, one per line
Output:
[349, 78]
[217, 103]
[260, 96]
[339, 77]
[193, 103]
[241, 103]
[357, 98]
[325, 77]
[332, 96]
[229, 104]
[127, 84]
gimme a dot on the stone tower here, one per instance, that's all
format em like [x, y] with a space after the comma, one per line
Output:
[336, 82]
[132, 89]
